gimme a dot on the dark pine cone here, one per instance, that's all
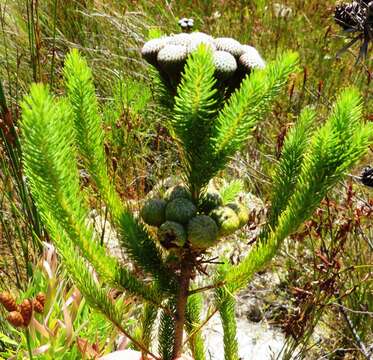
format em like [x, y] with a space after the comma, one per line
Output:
[367, 176]
[349, 15]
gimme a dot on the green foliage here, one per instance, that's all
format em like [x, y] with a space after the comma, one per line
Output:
[144, 251]
[249, 105]
[166, 334]
[193, 323]
[333, 149]
[286, 172]
[50, 163]
[226, 304]
[66, 320]
[97, 30]
[20, 224]
[230, 190]
[208, 137]
[89, 139]
[87, 123]
[149, 316]
[195, 108]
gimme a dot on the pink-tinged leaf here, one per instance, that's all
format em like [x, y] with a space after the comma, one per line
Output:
[86, 349]
[123, 342]
[41, 349]
[40, 328]
[68, 325]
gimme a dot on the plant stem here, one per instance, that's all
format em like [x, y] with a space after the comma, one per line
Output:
[181, 301]
[362, 347]
[29, 344]
[205, 288]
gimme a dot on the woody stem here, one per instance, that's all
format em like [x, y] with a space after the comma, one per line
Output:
[181, 302]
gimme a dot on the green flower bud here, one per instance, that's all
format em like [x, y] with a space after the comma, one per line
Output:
[226, 219]
[241, 211]
[153, 212]
[202, 232]
[172, 234]
[177, 191]
[180, 210]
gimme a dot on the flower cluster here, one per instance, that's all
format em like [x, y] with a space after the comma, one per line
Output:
[232, 60]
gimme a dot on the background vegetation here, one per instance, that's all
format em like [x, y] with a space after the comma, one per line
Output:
[328, 265]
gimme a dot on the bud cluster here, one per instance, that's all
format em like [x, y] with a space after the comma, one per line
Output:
[182, 223]
[21, 315]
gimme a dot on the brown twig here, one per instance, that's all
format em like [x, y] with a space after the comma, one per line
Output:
[205, 288]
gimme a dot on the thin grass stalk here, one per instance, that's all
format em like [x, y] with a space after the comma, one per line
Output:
[30, 28]
[55, 3]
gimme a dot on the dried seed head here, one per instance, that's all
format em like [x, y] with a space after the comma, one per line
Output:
[172, 57]
[251, 59]
[15, 318]
[198, 38]
[26, 311]
[193, 45]
[38, 306]
[41, 298]
[225, 64]
[8, 301]
[348, 15]
[197, 35]
[179, 39]
[151, 48]
[230, 45]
